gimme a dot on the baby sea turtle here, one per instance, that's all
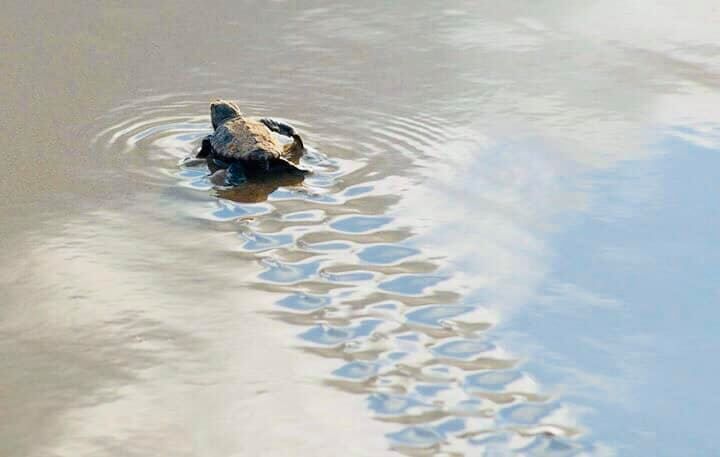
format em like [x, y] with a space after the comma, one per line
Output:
[243, 148]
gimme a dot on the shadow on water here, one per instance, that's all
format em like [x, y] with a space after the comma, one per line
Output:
[258, 190]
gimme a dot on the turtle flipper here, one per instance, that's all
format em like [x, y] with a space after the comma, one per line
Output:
[205, 148]
[279, 127]
[218, 177]
[283, 166]
[215, 163]
[295, 150]
[235, 174]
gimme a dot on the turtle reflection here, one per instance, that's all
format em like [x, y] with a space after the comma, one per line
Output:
[257, 190]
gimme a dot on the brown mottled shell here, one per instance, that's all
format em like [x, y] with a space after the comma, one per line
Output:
[239, 137]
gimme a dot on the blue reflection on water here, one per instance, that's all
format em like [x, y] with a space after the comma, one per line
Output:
[396, 355]
[410, 284]
[528, 413]
[462, 349]
[359, 224]
[426, 436]
[330, 246]
[353, 276]
[192, 173]
[262, 242]
[357, 190]
[357, 371]
[393, 405]
[329, 335]
[492, 443]
[430, 390]
[292, 194]
[490, 381]
[470, 407]
[304, 302]
[553, 446]
[434, 315]
[290, 272]
[416, 437]
[228, 210]
[304, 216]
[383, 254]
[651, 245]
[388, 307]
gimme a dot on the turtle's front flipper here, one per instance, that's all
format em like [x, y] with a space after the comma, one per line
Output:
[235, 174]
[218, 178]
[279, 127]
[215, 163]
[189, 162]
[205, 148]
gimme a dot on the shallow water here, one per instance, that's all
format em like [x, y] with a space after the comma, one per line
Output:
[507, 246]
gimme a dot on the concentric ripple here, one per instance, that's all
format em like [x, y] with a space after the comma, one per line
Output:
[348, 273]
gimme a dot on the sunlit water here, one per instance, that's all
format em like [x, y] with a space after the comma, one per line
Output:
[507, 246]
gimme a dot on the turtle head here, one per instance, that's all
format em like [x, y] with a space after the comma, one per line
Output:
[222, 111]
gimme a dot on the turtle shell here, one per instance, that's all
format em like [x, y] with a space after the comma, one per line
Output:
[238, 138]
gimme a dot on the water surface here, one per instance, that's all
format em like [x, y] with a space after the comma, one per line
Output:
[507, 246]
